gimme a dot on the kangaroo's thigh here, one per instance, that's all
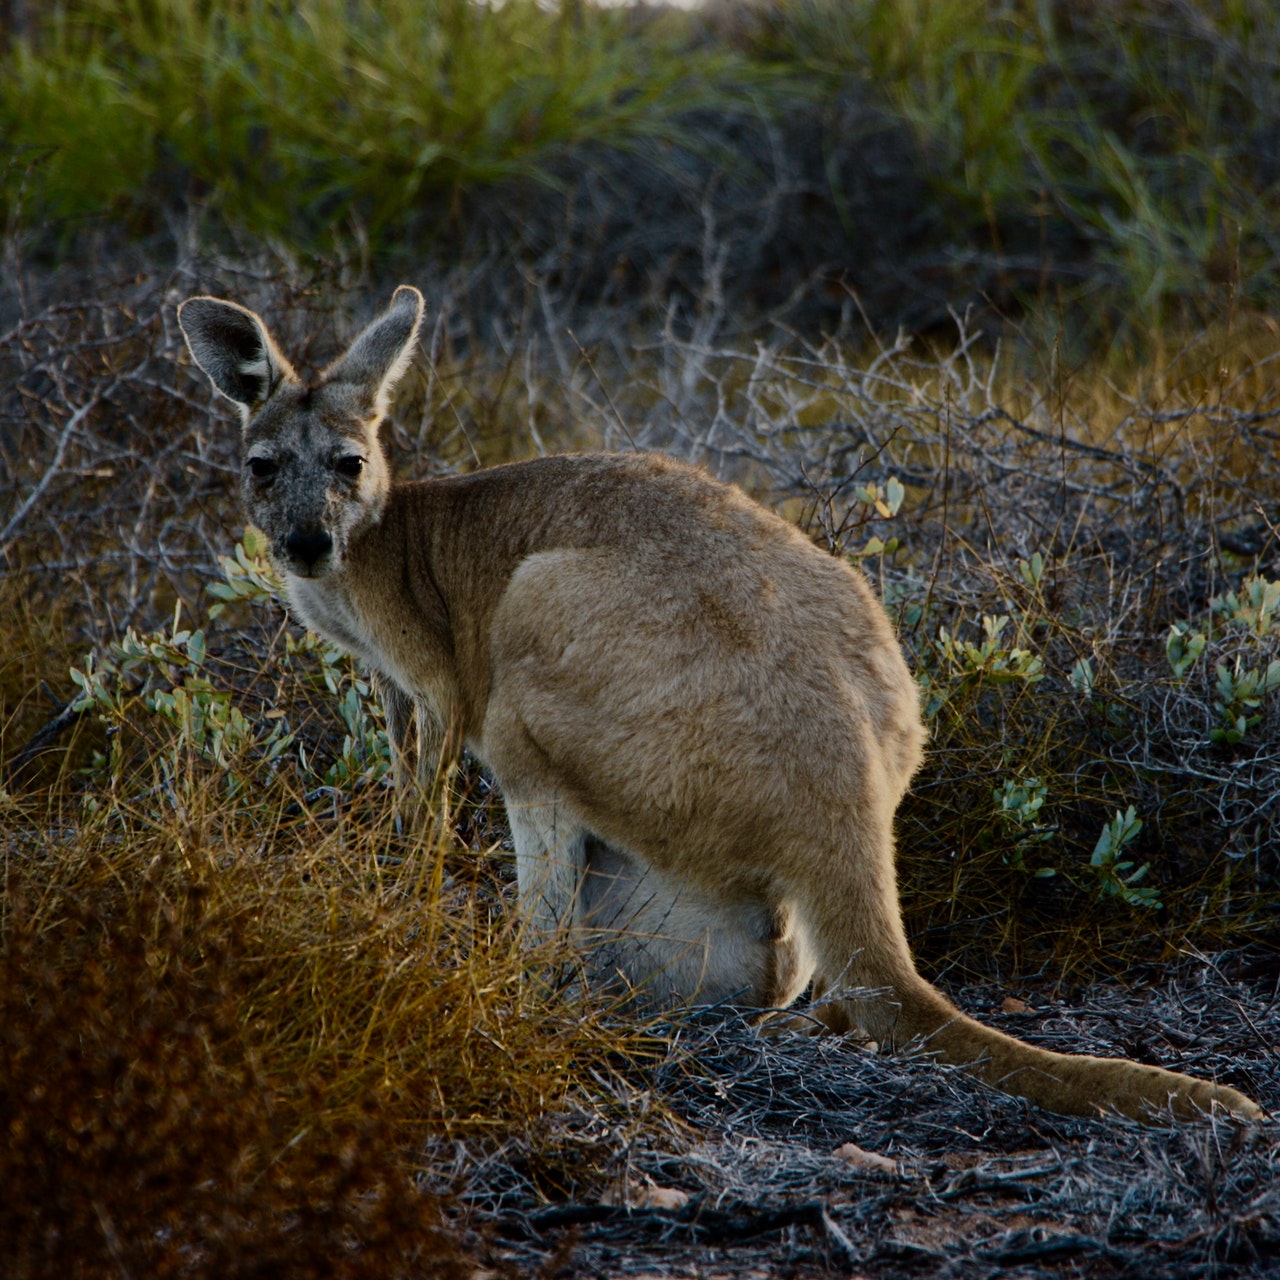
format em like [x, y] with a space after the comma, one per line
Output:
[673, 945]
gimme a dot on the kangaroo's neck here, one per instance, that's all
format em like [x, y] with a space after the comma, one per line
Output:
[413, 600]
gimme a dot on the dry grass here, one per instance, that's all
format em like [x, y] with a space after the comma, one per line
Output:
[229, 1029]
[150, 1134]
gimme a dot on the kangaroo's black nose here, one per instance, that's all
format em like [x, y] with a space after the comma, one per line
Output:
[308, 545]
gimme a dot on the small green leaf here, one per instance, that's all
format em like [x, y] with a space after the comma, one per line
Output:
[1183, 648]
[1082, 676]
[254, 543]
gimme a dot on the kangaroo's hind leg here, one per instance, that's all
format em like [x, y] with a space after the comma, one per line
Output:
[551, 854]
[658, 939]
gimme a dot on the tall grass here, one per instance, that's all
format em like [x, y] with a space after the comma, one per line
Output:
[1121, 155]
[1115, 161]
[324, 116]
[150, 1127]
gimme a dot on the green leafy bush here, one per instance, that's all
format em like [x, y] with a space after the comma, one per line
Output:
[321, 117]
[1117, 160]
[1138, 136]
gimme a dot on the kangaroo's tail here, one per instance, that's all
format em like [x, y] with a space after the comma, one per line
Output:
[867, 948]
[1067, 1083]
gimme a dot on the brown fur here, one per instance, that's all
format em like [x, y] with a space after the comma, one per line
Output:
[702, 724]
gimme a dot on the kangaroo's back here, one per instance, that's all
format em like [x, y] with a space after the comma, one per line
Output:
[702, 724]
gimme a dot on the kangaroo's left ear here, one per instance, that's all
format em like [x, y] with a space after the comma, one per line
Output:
[232, 345]
[378, 357]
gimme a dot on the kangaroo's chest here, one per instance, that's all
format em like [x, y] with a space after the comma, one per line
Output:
[388, 641]
[328, 611]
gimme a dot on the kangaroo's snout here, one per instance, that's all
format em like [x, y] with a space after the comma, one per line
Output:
[307, 547]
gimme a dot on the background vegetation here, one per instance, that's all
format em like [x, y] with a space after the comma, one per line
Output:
[1119, 161]
[981, 295]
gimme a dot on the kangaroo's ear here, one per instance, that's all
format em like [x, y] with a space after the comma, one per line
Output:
[232, 345]
[378, 357]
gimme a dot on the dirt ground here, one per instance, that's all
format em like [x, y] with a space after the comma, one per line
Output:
[975, 1183]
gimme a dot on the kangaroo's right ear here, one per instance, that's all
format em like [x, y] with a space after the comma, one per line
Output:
[377, 357]
[232, 345]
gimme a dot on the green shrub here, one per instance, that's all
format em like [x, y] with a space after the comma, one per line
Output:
[1132, 145]
[324, 116]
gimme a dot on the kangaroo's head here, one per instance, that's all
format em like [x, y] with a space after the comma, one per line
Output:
[314, 472]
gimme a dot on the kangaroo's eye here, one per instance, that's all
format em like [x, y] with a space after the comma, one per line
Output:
[263, 468]
[350, 464]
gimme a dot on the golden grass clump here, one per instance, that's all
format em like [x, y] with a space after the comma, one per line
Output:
[143, 1138]
[227, 1031]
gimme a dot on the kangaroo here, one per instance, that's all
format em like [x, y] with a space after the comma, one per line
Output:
[702, 724]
